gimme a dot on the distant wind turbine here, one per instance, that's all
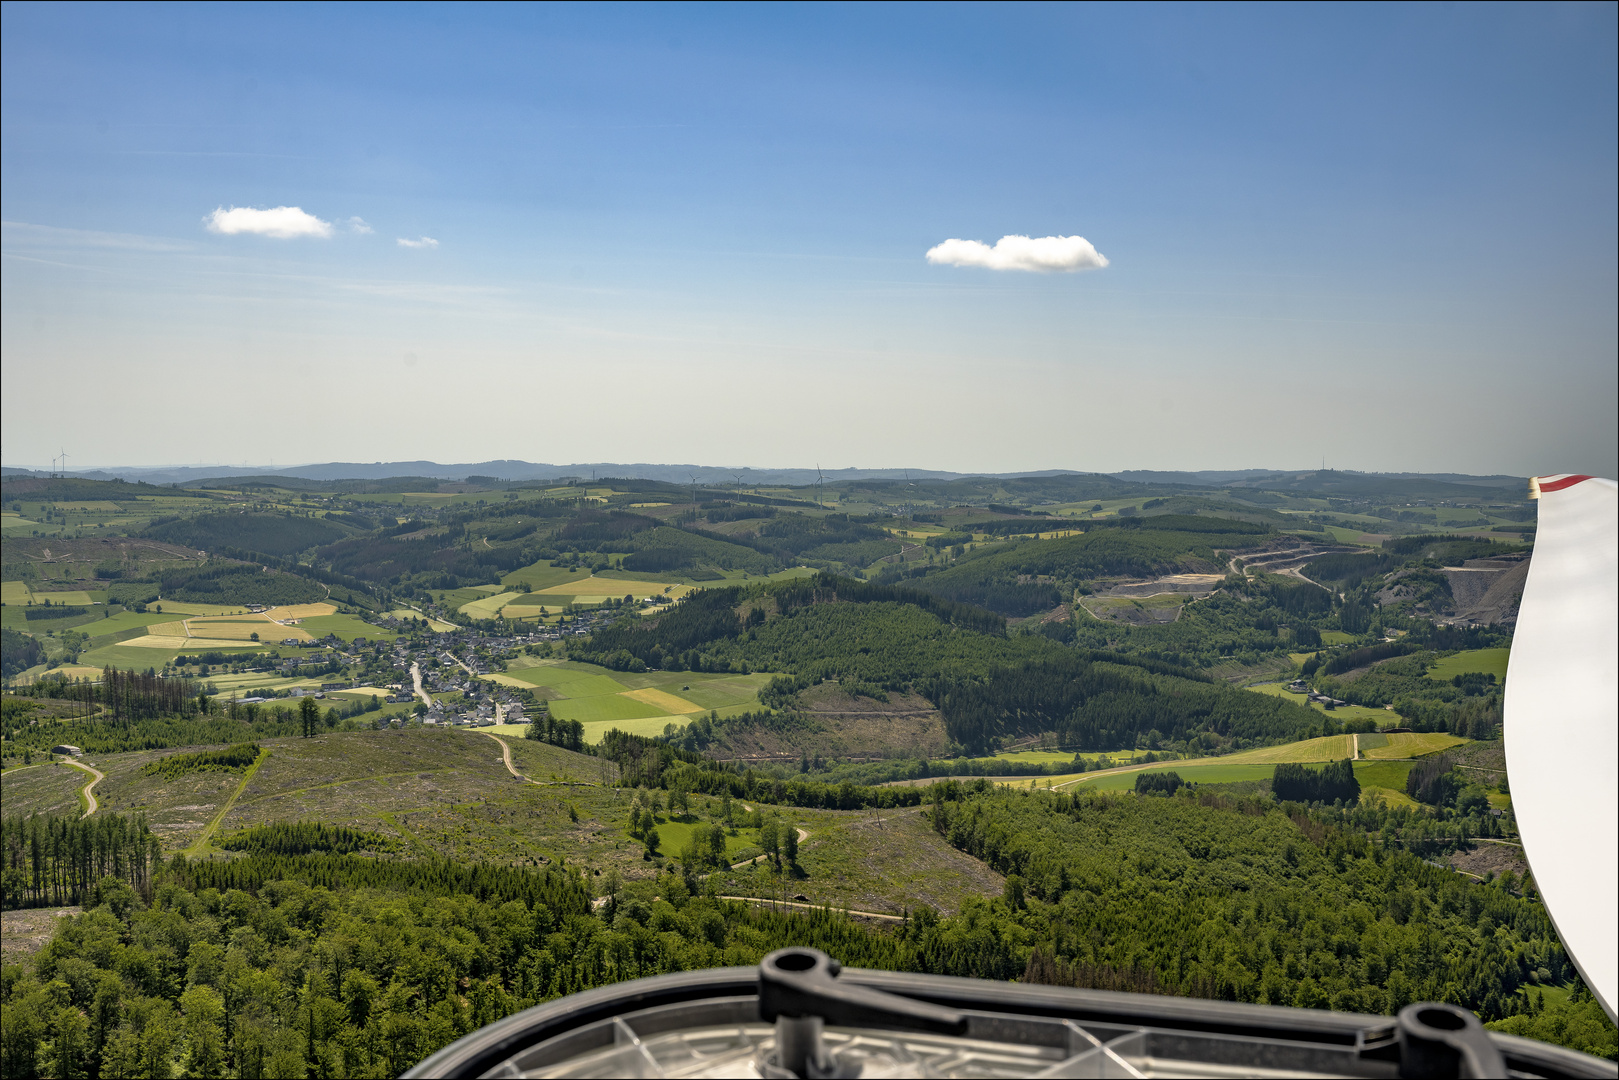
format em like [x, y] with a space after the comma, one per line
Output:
[820, 481]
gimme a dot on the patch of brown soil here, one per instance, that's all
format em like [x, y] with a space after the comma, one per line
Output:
[1486, 857]
[24, 933]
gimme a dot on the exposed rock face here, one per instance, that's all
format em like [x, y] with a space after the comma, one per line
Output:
[1488, 590]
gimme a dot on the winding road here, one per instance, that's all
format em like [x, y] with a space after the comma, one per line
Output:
[506, 752]
[96, 776]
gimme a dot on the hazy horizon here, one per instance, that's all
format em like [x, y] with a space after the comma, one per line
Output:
[990, 239]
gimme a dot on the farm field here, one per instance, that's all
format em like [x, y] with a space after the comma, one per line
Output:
[1052, 757]
[641, 704]
[69, 597]
[1490, 661]
[488, 606]
[1409, 744]
[288, 612]
[15, 593]
[346, 627]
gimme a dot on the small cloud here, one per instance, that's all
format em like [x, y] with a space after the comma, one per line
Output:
[358, 224]
[1045, 254]
[281, 222]
[424, 242]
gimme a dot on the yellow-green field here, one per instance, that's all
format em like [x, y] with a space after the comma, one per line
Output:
[15, 593]
[1408, 744]
[74, 597]
[1491, 661]
[289, 612]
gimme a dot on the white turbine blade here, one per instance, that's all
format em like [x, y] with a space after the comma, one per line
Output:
[1562, 721]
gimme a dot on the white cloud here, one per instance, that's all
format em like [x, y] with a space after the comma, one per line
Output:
[424, 242]
[1045, 254]
[281, 222]
[358, 224]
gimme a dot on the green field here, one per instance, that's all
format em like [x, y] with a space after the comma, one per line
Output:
[346, 627]
[1491, 661]
[1197, 774]
[601, 699]
[76, 597]
[541, 575]
[15, 593]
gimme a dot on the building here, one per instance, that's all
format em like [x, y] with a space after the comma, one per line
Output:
[70, 751]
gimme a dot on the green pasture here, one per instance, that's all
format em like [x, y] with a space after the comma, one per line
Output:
[1337, 637]
[72, 597]
[15, 593]
[1408, 744]
[346, 627]
[1341, 713]
[129, 620]
[1490, 661]
[1383, 774]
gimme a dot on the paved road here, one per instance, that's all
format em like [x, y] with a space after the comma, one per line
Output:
[416, 677]
[89, 789]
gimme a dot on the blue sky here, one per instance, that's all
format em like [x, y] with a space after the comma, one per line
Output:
[1380, 235]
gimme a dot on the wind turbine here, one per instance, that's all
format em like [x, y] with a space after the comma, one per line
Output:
[694, 490]
[63, 471]
[738, 477]
[820, 480]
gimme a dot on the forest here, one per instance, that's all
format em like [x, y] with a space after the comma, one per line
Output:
[293, 961]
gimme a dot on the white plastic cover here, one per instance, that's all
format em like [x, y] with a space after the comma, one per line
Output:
[1562, 720]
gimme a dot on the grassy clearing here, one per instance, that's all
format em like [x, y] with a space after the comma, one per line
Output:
[886, 861]
[1337, 637]
[1329, 748]
[674, 833]
[1383, 774]
[1491, 661]
[1197, 774]
[15, 593]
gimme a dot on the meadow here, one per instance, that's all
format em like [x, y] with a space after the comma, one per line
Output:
[1381, 717]
[1490, 661]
